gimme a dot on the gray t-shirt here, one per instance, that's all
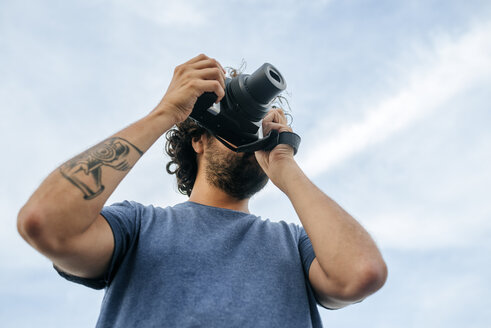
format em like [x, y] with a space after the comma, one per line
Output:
[193, 265]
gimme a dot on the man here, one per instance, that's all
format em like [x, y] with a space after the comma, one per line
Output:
[206, 262]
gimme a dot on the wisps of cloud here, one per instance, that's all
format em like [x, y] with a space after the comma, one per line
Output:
[167, 13]
[405, 232]
[449, 67]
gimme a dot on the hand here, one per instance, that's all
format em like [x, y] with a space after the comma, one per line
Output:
[273, 162]
[191, 79]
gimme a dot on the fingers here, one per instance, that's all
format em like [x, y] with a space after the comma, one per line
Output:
[203, 59]
[204, 68]
[201, 86]
[275, 120]
[207, 62]
[276, 115]
[268, 126]
[196, 59]
[210, 74]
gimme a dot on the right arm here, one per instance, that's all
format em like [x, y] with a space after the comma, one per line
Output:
[61, 219]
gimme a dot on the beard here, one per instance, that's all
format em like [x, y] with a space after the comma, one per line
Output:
[238, 175]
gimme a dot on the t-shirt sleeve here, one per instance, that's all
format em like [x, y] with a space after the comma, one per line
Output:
[123, 220]
[306, 250]
[307, 255]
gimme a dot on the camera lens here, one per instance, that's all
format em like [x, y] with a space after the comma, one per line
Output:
[265, 83]
[251, 94]
[274, 75]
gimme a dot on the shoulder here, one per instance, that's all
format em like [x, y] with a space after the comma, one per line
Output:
[130, 214]
[285, 228]
[134, 208]
[293, 228]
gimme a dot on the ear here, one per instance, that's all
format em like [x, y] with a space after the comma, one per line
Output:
[198, 144]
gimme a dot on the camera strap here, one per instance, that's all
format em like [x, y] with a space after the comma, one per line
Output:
[273, 139]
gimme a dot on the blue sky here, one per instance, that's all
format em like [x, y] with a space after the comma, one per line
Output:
[391, 99]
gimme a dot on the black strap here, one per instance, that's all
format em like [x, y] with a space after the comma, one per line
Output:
[273, 139]
[290, 138]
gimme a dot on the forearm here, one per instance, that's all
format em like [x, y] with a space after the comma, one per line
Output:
[70, 198]
[344, 249]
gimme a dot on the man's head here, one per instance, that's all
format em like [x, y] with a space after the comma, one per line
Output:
[238, 175]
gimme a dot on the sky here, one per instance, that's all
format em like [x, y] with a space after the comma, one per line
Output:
[391, 99]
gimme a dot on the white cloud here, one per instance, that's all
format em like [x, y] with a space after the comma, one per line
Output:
[452, 67]
[167, 13]
[408, 232]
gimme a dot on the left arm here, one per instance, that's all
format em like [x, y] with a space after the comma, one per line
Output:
[348, 265]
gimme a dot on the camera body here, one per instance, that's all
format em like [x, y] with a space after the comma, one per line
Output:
[237, 117]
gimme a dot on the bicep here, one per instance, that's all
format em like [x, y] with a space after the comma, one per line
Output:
[87, 255]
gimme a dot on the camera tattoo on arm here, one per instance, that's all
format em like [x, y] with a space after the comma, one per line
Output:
[84, 171]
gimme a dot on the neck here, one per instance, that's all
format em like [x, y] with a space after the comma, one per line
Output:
[206, 194]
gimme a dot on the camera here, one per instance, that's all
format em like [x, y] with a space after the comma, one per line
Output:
[236, 119]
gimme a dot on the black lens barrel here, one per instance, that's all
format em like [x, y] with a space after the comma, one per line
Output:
[251, 94]
[265, 83]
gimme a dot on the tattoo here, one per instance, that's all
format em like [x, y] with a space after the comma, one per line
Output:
[84, 171]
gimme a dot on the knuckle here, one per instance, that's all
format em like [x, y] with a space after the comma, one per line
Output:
[216, 72]
[211, 63]
[192, 84]
[218, 65]
[185, 74]
[219, 89]
[181, 69]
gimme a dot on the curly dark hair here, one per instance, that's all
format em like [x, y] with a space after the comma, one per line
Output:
[182, 154]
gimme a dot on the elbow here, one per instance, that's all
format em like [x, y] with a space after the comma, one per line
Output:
[369, 278]
[354, 287]
[31, 225]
